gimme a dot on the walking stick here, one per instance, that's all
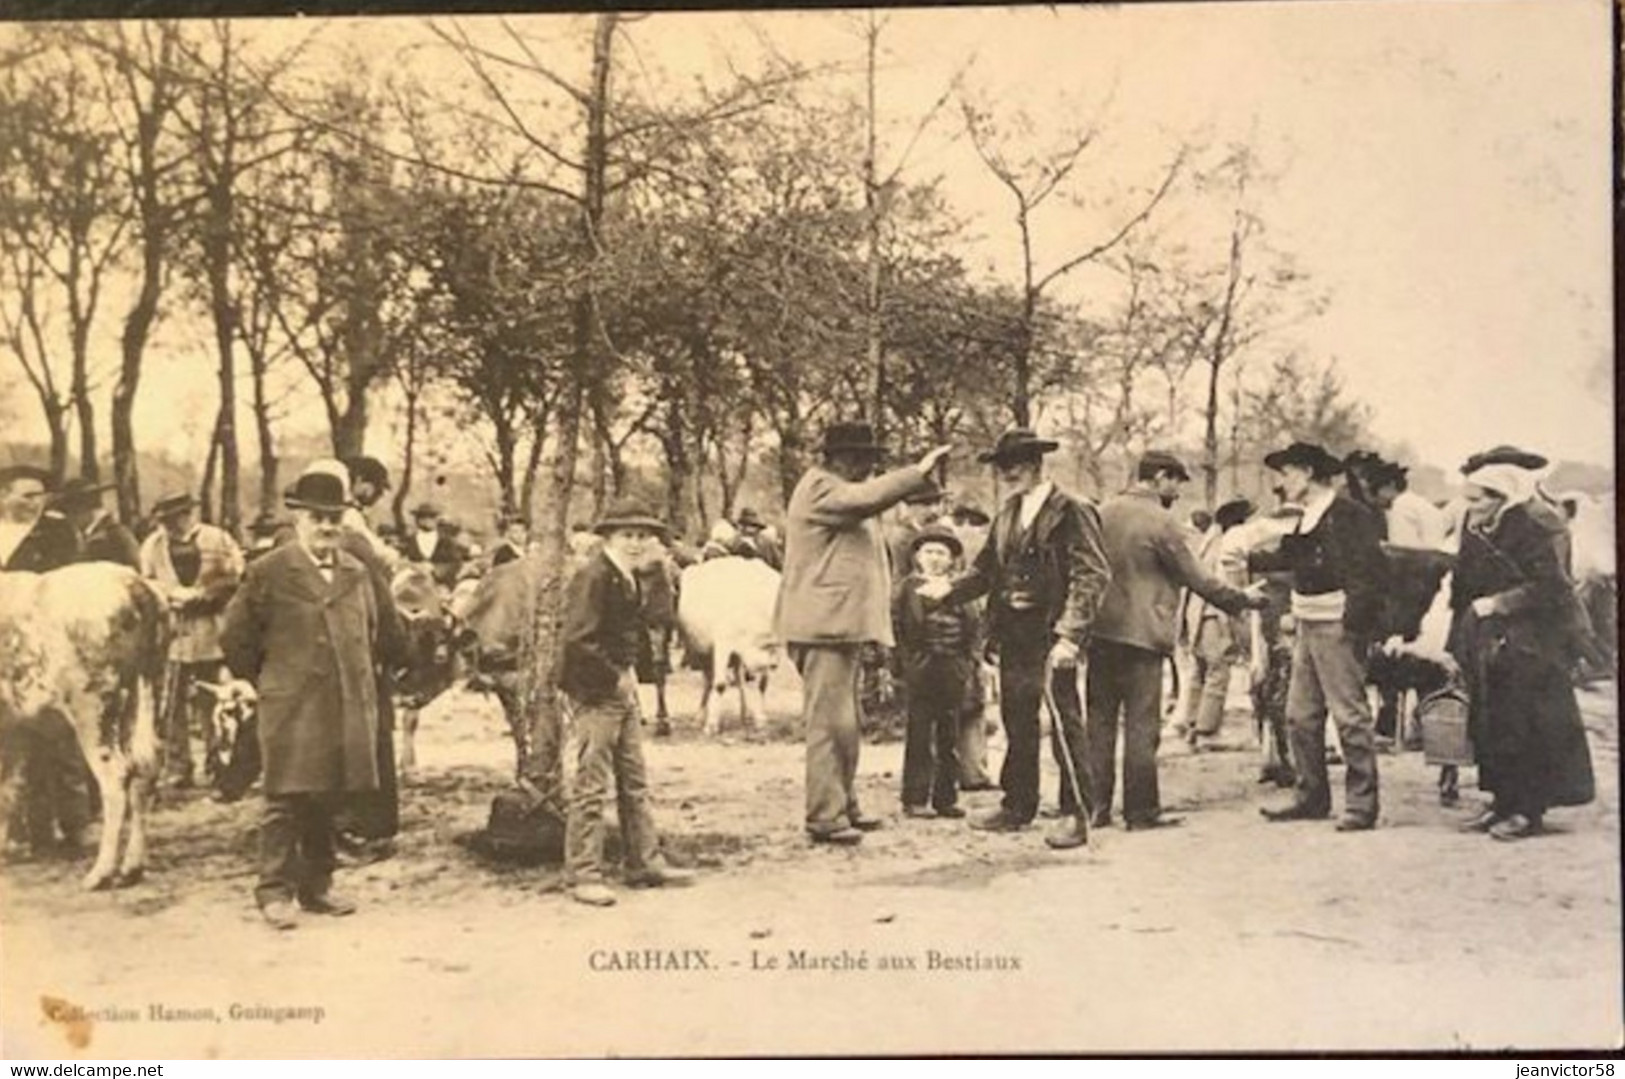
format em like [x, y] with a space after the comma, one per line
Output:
[1080, 812]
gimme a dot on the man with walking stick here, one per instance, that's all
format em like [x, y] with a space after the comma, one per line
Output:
[1045, 572]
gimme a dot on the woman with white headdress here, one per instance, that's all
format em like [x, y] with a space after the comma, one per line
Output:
[1512, 636]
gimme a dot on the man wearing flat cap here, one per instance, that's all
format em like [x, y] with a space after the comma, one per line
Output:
[835, 598]
[196, 567]
[1044, 572]
[1338, 580]
[1151, 561]
[302, 635]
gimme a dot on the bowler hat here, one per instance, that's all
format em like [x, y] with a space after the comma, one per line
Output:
[425, 509]
[1505, 455]
[628, 513]
[1305, 455]
[936, 534]
[170, 505]
[1154, 461]
[320, 489]
[12, 473]
[851, 438]
[1233, 512]
[79, 493]
[1386, 472]
[1018, 444]
[749, 518]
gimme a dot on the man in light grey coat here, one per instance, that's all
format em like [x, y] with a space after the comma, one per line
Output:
[836, 597]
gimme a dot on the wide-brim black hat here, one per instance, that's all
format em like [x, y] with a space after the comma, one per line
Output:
[936, 535]
[80, 492]
[851, 438]
[1308, 455]
[629, 514]
[11, 473]
[370, 469]
[1233, 512]
[170, 505]
[1153, 460]
[321, 491]
[1505, 455]
[1018, 443]
[425, 509]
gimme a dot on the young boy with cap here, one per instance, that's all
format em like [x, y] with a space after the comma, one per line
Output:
[937, 643]
[603, 629]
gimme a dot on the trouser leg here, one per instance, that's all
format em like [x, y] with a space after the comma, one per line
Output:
[1069, 743]
[953, 683]
[829, 675]
[1021, 670]
[1341, 666]
[1105, 696]
[1142, 732]
[1306, 725]
[593, 741]
[972, 747]
[919, 737]
[638, 835]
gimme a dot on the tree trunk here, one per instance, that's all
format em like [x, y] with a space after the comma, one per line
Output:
[56, 422]
[543, 773]
[137, 327]
[1210, 437]
[533, 464]
[211, 463]
[872, 212]
[84, 407]
[266, 438]
[397, 506]
[225, 337]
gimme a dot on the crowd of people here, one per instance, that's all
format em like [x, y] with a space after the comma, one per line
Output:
[1075, 609]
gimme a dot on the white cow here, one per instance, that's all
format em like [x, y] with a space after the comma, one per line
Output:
[725, 613]
[89, 641]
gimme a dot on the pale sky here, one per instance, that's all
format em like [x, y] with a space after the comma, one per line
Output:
[1444, 176]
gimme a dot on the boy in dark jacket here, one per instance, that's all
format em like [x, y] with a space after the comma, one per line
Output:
[603, 631]
[937, 642]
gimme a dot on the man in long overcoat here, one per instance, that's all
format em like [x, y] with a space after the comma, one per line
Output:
[303, 629]
[834, 599]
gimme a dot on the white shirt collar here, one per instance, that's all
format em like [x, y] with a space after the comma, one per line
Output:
[1032, 501]
[1315, 507]
[618, 564]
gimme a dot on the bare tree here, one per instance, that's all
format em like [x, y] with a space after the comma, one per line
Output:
[1032, 179]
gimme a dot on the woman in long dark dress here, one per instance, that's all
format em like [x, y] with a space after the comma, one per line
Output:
[1513, 636]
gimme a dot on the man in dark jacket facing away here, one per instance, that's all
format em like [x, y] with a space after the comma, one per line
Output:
[1151, 561]
[1338, 577]
[1044, 572]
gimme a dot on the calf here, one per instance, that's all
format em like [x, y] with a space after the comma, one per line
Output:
[429, 668]
[88, 641]
[233, 761]
[725, 612]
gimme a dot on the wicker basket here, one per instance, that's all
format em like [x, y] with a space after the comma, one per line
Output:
[1443, 719]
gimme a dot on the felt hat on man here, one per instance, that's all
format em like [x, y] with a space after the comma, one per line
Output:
[319, 488]
[1018, 444]
[629, 513]
[1505, 455]
[852, 438]
[426, 511]
[12, 473]
[80, 494]
[750, 519]
[1320, 463]
[936, 534]
[174, 505]
[1154, 461]
[1234, 512]
[364, 469]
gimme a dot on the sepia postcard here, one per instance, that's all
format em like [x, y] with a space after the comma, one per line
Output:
[595, 273]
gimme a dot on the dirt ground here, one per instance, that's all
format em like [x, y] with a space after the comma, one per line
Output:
[1225, 934]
